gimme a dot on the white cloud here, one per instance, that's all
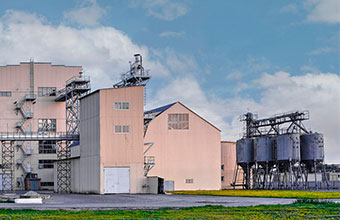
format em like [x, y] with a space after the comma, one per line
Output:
[290, 8]
[88, 14]
[320, 51]
[281, 92]
[235, 74]
[104, 52]
[323, 11]
[171, 34]
[181, 64]
[162, 9]
[310, 69]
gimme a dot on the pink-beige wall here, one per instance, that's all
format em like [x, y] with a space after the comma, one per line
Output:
[185, 154]
[16, 79]
[122, 150]
[228, 161]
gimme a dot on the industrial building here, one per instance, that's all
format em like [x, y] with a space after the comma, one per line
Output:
[272, 156]
[228, 164]
[185, 148]
[27, 105]
[110, 158]
[56, 134]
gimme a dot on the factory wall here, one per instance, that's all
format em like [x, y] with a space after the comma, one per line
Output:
[228, 163]
[16, 79]
[104, 148]
[189, 157]
[119, 149]
[89, 161]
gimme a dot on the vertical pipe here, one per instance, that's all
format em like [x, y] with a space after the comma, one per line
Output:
[31, 77]
[316, 184]
[266, 177]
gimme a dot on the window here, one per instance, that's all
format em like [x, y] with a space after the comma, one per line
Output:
[189, 181]
[122, 105]
[47, 147]
[46, 183]
[122, 129]
[5, 93]
[46, 164]
[178, 121]
[222, 167]
[47, 125]
[222, 178]
[46, 91]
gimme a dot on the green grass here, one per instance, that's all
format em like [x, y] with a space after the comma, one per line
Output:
[299, 210]
[264, 193]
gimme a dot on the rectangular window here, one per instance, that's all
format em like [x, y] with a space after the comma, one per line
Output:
[46, 164]
[178, 121]
[49, 125]
[122, 105]
[46, 183]
[189, 181]
[222, 167]
[122, 129]
[5, 93]
[47, 91]
[47, 147]
[222, 178]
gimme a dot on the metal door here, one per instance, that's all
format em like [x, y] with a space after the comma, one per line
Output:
[116, 180]
[169, 185]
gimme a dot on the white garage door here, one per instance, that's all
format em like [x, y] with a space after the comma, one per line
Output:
[116, 180]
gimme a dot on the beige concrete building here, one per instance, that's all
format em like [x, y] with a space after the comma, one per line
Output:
[186, 148]
[228, 163]
[26, 105]
[122, 148]
[110, 159]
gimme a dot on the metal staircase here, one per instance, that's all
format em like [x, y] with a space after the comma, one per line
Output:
[27, 151]
[24, 108]
[149, 161]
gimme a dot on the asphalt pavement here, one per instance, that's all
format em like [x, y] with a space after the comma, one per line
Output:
[127, 201]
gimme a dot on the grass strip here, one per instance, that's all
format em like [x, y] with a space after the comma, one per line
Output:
[303, 209]
[264, 193]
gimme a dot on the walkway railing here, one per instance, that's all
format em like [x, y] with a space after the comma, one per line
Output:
[37, 136]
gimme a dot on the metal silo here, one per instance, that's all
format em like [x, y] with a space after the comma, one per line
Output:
[288, 147]
[263, 150]
[244, 151]
[244, 158]
[312, 147]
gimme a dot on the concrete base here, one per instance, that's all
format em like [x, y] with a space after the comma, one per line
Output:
[29, 201]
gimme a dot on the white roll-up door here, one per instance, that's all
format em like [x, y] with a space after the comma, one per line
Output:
[116, 180]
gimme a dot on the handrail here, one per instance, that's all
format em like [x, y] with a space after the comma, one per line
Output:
[36, 136]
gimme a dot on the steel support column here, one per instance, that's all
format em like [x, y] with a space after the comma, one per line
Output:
[7, 150]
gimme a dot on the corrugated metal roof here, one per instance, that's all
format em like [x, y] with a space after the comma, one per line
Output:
[160, 109]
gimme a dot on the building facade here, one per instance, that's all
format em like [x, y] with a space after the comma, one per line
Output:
[27, 93]
[228, 163]
[110, 158]
[185, 147]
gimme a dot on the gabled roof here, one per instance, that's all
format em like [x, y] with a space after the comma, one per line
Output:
[157, 111]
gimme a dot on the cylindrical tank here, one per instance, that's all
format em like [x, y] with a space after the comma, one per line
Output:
[263, 150]
[312, 147]
[244, 151]
[288, 147]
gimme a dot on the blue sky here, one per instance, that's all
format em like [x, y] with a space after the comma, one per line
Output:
[220, 58]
